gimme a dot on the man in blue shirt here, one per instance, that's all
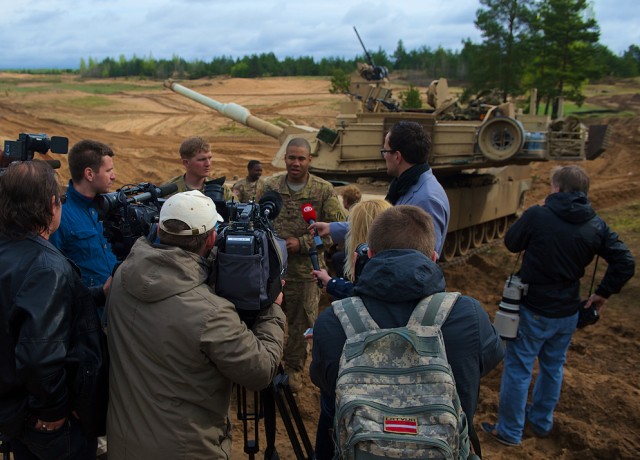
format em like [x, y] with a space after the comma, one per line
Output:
[405, 152]
[80, 235]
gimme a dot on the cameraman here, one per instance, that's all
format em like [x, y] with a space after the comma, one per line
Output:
[401, 272]
[50, 340]
[176, 347]
[80, 236]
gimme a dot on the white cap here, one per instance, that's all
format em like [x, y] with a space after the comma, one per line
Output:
[194, 209]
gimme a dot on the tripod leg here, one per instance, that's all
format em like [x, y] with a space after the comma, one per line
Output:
[289, 409]
[251, 446]
[268, 402]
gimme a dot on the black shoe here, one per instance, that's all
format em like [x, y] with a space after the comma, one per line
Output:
[490, 429]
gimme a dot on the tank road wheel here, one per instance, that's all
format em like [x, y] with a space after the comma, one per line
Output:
[450, 244]
[500, 138]
[477, 235]
[489, 231]
[464, 241]
[501, 226]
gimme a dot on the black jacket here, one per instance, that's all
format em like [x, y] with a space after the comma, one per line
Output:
[391, 285]
[560, 239]
[52, 351]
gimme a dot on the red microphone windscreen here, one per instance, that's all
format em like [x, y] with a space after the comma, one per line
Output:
[308, 213]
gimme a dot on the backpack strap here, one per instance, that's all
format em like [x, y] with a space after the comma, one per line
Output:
[433, 310]
[353, 316]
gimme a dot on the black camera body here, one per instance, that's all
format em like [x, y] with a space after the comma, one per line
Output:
[362, 257]
[129, 213]
[587, 316]
[251, 260]
[24, 148]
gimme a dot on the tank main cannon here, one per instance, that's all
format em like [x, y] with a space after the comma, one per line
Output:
[351, 148]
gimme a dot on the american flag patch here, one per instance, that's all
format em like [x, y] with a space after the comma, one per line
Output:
[402, 425]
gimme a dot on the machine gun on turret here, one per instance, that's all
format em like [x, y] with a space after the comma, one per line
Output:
[371, 71]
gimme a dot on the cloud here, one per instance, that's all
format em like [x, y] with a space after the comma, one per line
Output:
[58, 33]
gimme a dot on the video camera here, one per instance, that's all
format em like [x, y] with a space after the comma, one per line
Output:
[25, 147]
[251, 260]
[131, 212]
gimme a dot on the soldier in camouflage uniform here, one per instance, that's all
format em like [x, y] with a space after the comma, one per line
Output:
[195, 154]
[245, 189]
[301, 293]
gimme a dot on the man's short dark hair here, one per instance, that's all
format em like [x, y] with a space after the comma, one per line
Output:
[26, 188]
[403, 227]
[570, 178]
[191, 146]
[87, 154]
[191, 243]
[411, 140]
[299, 142]
[253, 163]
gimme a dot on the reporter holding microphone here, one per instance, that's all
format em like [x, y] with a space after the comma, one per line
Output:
[301, 190]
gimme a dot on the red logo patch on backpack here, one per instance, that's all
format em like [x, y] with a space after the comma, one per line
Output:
[401, 425]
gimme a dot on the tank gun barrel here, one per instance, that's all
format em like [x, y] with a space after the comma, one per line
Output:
[373, 64]
[231, 110]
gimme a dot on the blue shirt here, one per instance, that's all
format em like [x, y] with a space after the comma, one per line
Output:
[427, 194]
[80, 237]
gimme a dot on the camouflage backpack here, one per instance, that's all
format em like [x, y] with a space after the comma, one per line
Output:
[395, 393]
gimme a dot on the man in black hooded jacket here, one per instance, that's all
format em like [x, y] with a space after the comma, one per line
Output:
[560, 239]
[400, 273]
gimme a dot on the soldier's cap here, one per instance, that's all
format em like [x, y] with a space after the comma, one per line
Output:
[194, 209]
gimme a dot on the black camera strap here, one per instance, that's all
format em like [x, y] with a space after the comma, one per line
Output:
[593, 277]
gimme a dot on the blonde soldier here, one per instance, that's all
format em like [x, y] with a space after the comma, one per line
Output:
[301, 293]
[195, 154]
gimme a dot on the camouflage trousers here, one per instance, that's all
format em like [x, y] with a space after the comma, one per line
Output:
[301, 307]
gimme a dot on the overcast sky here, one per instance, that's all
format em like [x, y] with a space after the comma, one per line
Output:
[58, 33]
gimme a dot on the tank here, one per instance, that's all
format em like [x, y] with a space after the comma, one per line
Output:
[481, 153]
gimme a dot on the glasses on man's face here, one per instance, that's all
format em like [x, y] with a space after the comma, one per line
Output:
[383, 151]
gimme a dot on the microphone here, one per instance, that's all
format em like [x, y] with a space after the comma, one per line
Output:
[271, 204]
[313, 253]
[310, 217]
[166, 189]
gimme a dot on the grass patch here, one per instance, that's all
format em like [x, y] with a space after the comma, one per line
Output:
[278, 121]
[624, 219]
[52, 84]
[571, 107]
[236, 129]
[88, 102]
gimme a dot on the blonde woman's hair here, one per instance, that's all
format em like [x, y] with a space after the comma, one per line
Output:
[360, 217]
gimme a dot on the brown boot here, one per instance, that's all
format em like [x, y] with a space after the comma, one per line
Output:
[295, 380]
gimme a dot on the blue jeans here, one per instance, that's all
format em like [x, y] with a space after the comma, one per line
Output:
[68, 442]
[548, 340]
[325, 447]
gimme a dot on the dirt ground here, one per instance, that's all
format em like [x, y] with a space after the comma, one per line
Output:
[597, 417]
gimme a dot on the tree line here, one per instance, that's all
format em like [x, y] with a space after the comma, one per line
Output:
[552, 45]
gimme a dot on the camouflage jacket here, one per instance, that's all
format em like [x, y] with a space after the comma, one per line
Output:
[182, 187]
[289, 222]
[245, 190]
